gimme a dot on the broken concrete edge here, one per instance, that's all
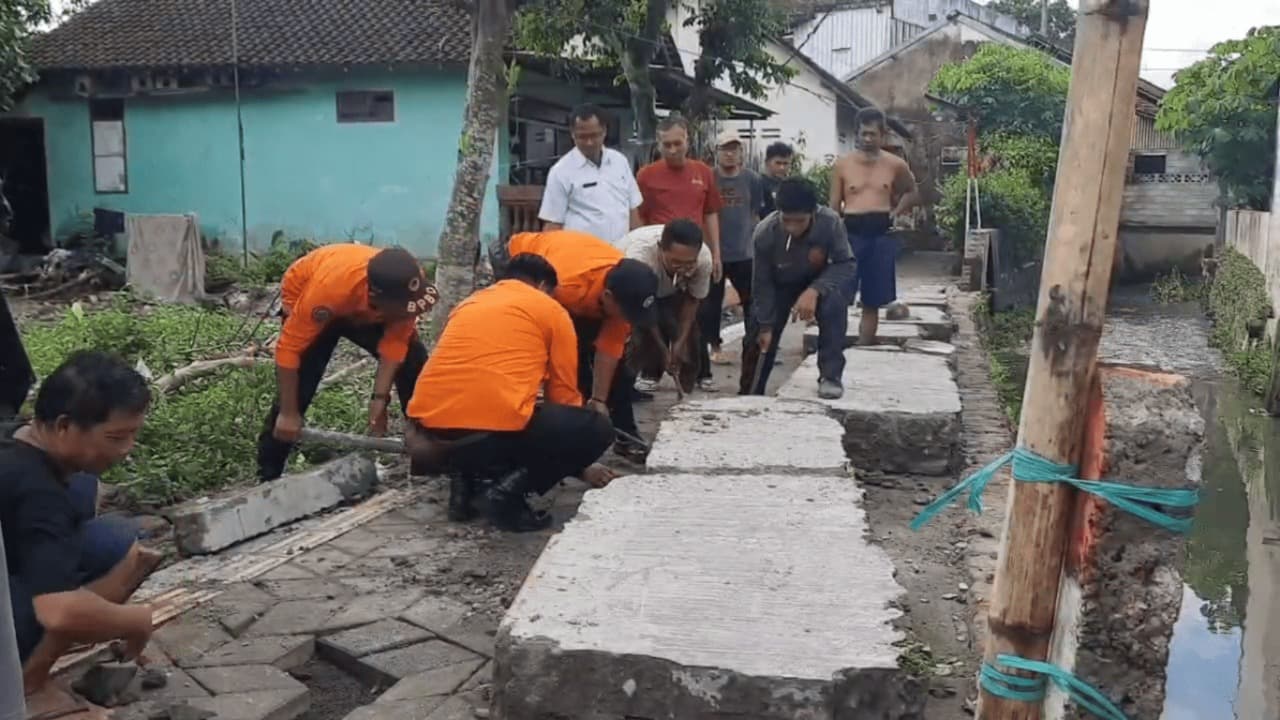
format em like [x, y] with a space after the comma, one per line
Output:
[844, 471]
[206, 526]
[527, 687]
[1121, 589]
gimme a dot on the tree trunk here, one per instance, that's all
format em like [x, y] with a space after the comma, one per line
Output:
[637, 55]
[486, 95]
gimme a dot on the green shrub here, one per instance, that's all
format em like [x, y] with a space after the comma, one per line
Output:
[1006, 338]
[1014, 90]
[1237, 300]
[1035, 155]
[1174, 287]
[203, 436]
[1012, 202]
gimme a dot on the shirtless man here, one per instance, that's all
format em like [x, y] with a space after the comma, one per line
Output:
[870, 187]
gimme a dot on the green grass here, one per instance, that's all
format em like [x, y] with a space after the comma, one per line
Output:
[201, 438]
[1006, 338]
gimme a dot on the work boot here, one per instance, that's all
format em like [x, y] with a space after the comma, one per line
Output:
[830, 390]
[631, 451]
[507, 509]
[461, 494]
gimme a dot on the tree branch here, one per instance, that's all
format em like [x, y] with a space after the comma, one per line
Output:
[203, 368]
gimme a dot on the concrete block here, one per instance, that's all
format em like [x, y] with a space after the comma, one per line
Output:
[934, 322]
[435, 613]
[244, 678]
[295, 618]
[285, 653]
[237, 607]
[432, 683]
[1122, 587]
[901, 411]
[344, 649]
[371, 608]
[188, 638]
[930, 347]
[206, 526]
[886, 334]
[257, 705]
[688, 596]
[395, 665]
[802, 438]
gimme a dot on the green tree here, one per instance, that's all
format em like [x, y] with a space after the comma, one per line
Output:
[18, 19]
[1223, 108]
[1062, 18]
[1012, 90]
[734, 35]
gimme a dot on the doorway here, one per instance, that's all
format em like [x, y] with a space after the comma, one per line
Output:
[24, 183]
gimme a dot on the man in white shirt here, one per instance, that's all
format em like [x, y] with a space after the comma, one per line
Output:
[682, 261]
[591, 189]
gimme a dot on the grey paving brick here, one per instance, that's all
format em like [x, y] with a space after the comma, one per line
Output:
[287, 571]
[374, 607]
[189, 637]
[314, 588]
[377, 637]
[295, 617]
[432, 683]
[358, 542]
[244, 678]
[286, 653]
[395, 665]
[238, 607]
[257, 705]
[436, 613]
[323, 560]
[419, 709]
[178, 685]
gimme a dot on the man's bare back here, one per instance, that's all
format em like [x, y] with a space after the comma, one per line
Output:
[870, 183]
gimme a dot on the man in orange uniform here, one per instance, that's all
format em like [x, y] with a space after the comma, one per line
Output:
[369, 296]
[605, 295]
[476, 407]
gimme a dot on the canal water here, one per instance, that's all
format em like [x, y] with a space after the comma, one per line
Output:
[1224, 660]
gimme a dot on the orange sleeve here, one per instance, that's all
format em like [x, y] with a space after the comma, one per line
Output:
[394, 345]
[293, 283]
[304, 323]
[562, 361]
[612, 340]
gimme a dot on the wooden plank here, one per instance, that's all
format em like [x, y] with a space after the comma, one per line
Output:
[1074, 285]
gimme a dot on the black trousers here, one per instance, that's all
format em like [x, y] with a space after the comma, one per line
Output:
[620, 409]
[273, 454]
[712, 308]
[560, 441]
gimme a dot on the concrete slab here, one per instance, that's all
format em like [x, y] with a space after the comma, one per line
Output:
[257, 705]
[930, 347]
[901, 411]
[285, 653]
[743, 405]
[244, 678]
[886, 334]
[206, 526]
[693, 596]
[759, 440]
[395, 665]
[925, 323]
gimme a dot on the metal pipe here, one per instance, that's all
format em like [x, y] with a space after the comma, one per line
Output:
[13, 705]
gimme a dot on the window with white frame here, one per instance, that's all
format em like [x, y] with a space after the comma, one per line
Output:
[110, 166]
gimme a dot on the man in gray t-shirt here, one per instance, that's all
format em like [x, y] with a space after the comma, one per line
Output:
[743, 194]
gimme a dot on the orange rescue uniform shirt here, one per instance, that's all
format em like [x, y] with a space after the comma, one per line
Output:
[581, 261]
[332, 283]
[497, 349]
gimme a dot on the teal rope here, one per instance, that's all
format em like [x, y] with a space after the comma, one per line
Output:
[1030, 467]
[1032, 689]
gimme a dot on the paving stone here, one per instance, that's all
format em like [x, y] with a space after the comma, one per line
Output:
[323, 560]
[436, 613]
[206, 526]
[178, 685]
[376, 637]
[418, 546]
[886, 334]
[286, 653]
[287, 571]
[753, 596]
[458, 707]
[440, 681]
[313, 588]
[365, 585]
[189, 637]
[417, 709]
[237, 607]
[483, 676]
[358, 542]
[257, 705]
[394, 665]
[244, 678]
[295, 617]
[782, 440]
[901, 411]
[373, 607]
[930, 347]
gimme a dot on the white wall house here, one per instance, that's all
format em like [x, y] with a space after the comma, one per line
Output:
[851, 34]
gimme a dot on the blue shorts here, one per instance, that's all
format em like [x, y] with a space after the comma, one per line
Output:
[104, 543]
[877, 257]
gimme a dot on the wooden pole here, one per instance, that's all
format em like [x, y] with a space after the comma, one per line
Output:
[1073, 299]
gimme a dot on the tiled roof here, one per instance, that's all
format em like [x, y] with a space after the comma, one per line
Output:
[177, 33]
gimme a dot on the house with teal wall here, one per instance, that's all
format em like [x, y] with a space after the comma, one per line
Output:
[325, 119]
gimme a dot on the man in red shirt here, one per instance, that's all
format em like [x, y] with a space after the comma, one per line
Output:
[677, 187]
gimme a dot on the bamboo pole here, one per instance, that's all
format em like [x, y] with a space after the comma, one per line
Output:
[1074, 284]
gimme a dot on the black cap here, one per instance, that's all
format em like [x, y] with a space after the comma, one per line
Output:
[396, 276]
[635, 288]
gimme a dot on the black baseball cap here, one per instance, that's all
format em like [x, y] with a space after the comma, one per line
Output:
[395, 276]
[635, 287]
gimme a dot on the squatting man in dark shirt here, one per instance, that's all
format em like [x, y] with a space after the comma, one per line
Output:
[804, 268]
[71, 573]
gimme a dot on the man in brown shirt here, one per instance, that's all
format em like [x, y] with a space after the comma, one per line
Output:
[869, 187]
